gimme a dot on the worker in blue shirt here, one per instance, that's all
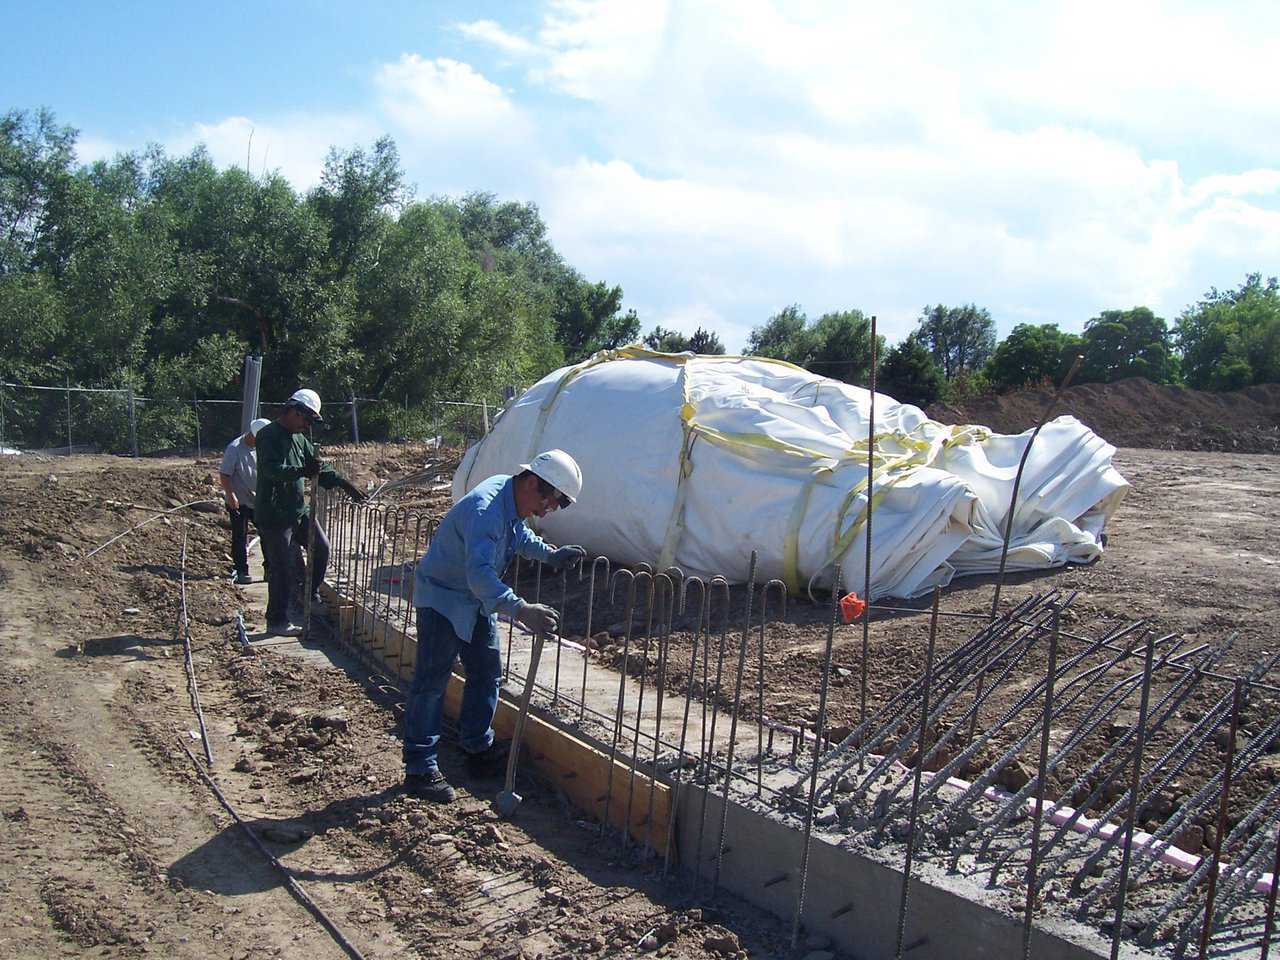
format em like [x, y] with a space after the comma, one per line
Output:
[458, 592]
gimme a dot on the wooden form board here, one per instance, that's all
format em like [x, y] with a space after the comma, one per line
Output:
[577, 768]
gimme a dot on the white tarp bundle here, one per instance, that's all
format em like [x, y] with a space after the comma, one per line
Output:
[696, 461]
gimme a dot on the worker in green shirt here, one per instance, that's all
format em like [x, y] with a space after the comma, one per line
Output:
[285, 457]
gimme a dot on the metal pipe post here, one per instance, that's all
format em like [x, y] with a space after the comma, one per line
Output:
[133, 424]
[68, 415]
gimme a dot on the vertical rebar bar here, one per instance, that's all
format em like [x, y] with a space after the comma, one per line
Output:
[1038, 821]
[817, 754]
[916, 774]
[684, 726]
[866, 580]
[622, 688]
[564, 602]
[586, 640]
[733, 722]
[709, 733]
[1131, 820]
[1268, 925]
[764, 622]
[1017, 480]
[654, 599]
[1224, 800]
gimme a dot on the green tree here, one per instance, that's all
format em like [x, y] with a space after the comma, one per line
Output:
[958, 338]
[909, 375]
[1231, 338]
[1032, 353]
[1127, 343]
[784, 337]
[701, 341]
[836, 345]
[36, 155]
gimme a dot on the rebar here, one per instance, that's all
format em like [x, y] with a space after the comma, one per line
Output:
[817, 748]
[587, 638]
[733, 722]
[915, 786]
[866, 581]
[764, 623]
[1132, 819]
[1049, 677]
[1219, 834]
[684, 726]
[709, 734]
[660, 683]
[653, 600]
[1268, 925]
[1017, 481]
[622, 687]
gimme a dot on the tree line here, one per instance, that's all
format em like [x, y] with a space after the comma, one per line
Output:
[1226, 341]
[158, 273]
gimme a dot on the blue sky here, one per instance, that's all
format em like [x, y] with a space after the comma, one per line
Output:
[721, 160]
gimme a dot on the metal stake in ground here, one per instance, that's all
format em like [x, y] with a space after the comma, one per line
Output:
[817, 754]
[508, 800]
[921, 746]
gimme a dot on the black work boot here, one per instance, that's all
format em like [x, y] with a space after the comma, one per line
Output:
[429, 786]
[489, 764]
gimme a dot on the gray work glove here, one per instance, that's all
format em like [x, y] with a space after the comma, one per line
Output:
[566, 557]
[537, 617]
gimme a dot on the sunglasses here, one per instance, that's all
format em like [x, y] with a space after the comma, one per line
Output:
[551, 495]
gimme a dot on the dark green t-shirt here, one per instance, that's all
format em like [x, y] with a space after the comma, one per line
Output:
[282, 455]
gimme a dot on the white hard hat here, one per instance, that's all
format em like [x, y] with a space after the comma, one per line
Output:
[558, 469]
[258, 425]
[309, 400]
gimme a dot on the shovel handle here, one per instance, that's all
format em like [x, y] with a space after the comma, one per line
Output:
[535, 656]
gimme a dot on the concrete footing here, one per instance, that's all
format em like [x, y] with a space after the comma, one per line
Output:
[851, 896]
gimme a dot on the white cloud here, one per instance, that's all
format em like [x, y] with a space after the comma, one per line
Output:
[443, 98]
[492, 33]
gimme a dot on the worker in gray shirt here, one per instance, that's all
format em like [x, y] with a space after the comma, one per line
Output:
[239, 477]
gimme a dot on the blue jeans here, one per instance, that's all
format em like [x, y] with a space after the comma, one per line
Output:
[438, 647]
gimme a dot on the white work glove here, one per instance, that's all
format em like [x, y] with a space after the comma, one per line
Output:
[537, 617]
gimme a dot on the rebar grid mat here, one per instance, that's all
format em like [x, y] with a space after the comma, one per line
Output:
[1124, 779]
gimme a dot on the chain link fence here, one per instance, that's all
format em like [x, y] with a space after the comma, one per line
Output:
[69, 420]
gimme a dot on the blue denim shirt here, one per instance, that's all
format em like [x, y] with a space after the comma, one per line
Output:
[461, 573]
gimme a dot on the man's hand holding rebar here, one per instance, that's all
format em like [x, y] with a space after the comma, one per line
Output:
[537, 617]
[566, 556]
[311, 468]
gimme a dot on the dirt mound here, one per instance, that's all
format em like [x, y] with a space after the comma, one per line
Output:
[1138, 413]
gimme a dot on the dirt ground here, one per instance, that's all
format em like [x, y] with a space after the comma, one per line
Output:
[111, 846]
